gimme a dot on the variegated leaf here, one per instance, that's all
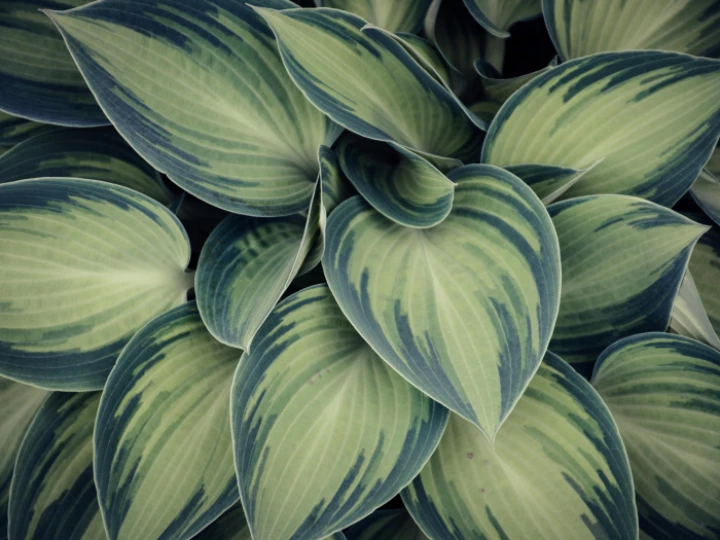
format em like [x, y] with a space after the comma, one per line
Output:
[713, 164]
[623, 260]
[163, 451]
[247, 264]
[85, 264]
[18, 404]
[232, 525]
[705, 268]
[38, 79]
[689, 317]
[548, 182]
[14, 130]
[324, 431]
[706, 192]
[386, 525]
[399, 184]
[606, 106]
[207, 100]
[558, 469]
[53, 493]
[463, 310]
[428, 56]
[395, 16]
[579, 28]
[498, 89]
[370, 84]
[497, 16]
[664, 393]
[98, 154]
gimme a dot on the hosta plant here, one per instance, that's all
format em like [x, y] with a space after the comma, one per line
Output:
[361, 269]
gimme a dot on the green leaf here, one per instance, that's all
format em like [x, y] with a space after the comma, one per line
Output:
[163, 451]
[14, 130]
[18, 404]
[706, 192]
[623, 259]
[464, 310]
[549, 182]
[652, 117]
[689, 317]
[498, 89]
[664, 393]
[558, 469]
[580, 28]
[98, 154]
[400, 185]
[230, 526]
[427, 55]
[198, 89]
[395, 16]
[370, 84]
[85, 264]
[38, 79]
[53, 492]
[497, 16]
[324, 431]
[705, 268]
[713, 164]
[393, 524]
[335, 187]
[247, 264]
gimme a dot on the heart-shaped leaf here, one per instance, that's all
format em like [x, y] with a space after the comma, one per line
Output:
[18, 404]
[463, 310]
[652, 117]
[557, 469]
[580, 28]
[623, 260]
[664, 393]
[98, 154]
[395, 16]
[199, 90]
[85, 264]
[163, 451]
[370, 84]
[38, 79]
[53, 492]
[324, 431]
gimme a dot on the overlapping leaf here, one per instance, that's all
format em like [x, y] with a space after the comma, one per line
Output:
[324, 430]
[463, 310]
[557, 469]
[664, 392]
[706, 192]
[53, 493]
[386, 525]
[399, 184]
[85, 264]
[395, 16]
[579, 28]
[428, 56]
[689, 317]
[623, 260]
[497, 89]
[705, 267]
[367, 82]
[606, 107]
[163, 452]
[230, 526]
[98, 154]
[549, 182]
[18, 404]
[198, 89]
[497, 16]
[38, 79]
[14, 130]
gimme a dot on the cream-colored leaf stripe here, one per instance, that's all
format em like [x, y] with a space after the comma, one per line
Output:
[85, 264]
[463, 310]
[18, 404]
[652, 117]
[324, 431]
[97, 154]
[664, 393]
[38, 79]
[53, 493]
[198, 89]
[557, 470]
[363, 79]
[580, 27]
[163, 451]
[623, 259]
